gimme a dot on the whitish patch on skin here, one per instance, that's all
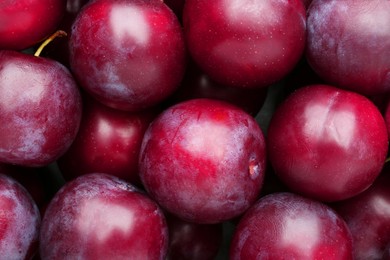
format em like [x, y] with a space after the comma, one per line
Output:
[297, 229]
[98, 219]
[15, 75]
[136, 28]
[330, 126]
[251, 10]
[24, 220]
[29, 142]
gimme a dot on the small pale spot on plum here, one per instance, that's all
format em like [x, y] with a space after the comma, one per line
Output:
[254, 168]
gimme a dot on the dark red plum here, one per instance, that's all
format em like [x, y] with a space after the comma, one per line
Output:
[203, 160]
[24, 23]
[289, 226]
[99, 216]
[191, 241]
[129, 55]
[245, 43]
[327, 143]
[19, 221]
[40, 109]
[32, 179]
[368, 218]
[348, 43]
[108, 141]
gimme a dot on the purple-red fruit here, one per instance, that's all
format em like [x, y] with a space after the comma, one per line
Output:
[40, 109]
[203, 160]
[19, 221]
[289, 226]
[24, 23]
[368, 218]
[108, 141]
[98, 216]
[327, 143]
[245, 43]
[348, 43]
[129, 55]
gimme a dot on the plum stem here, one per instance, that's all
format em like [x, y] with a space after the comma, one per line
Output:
[58, 33]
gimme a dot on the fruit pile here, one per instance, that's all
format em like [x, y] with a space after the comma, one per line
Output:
[194, 129]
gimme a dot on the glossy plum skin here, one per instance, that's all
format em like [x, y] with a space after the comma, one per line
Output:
[245, 43]
[368, 218]
[99, 216]
[327, 143]
[19, 221]
[108, 141]
[203, 160]
[289, 226]
[24, 23]
[386, 114]
[191, 241]
[40, 105]
[127, 64]
[348, 43]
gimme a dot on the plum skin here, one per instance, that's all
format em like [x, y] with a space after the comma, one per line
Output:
[245, 43]
[99, 216]
[348, 44]
[203, 160]
[368, 218]
[108, 140]
[289, 226]
[41, 108]
[327, 143]
[129, 55]
[20, 220]
[24, 23]
[386, 114]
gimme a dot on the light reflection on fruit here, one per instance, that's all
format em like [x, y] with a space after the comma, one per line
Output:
[255, 55]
